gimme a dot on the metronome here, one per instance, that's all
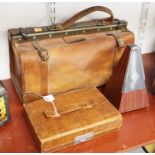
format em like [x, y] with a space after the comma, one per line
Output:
[126, 88]
[4, 105]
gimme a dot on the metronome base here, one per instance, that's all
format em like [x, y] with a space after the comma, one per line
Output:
[134, 100]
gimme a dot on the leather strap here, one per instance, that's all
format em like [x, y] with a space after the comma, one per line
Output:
[119, 40]
[43, 53]
[68, 23]
[44, 78]
[120, 44]
[68, 109]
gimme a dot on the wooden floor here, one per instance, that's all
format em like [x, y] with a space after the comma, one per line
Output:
[138, 127]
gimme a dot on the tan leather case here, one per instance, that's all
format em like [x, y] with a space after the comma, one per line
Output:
[83, 115]
[66, 56]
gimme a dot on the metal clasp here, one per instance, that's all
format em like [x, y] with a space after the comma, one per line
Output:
[83, 138]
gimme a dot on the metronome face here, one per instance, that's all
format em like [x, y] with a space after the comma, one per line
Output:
[3, 113]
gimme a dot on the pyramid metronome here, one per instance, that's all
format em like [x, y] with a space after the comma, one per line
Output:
[126, 88]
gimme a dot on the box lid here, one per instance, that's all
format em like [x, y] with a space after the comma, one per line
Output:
[85, 113]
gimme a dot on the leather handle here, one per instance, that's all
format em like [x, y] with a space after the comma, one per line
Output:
[71, 108]
[83, 13]
[50, 114]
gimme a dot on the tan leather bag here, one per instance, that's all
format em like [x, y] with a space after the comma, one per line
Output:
[67, 56]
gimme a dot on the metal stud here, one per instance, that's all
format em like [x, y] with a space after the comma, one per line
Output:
[84, 31]
[66, 33]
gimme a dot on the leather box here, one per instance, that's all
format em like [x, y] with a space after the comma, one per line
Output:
[67, 56]
[81, 115]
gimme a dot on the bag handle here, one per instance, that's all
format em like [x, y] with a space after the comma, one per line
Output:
[68, 23]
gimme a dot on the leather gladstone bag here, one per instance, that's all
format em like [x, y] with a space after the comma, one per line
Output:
[67, 56]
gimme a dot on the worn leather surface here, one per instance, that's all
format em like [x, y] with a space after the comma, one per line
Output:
[96, 115]
[86, 62]
[71, 65]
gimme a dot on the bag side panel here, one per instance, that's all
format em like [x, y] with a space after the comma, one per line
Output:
[32, 73]
[16, 69]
